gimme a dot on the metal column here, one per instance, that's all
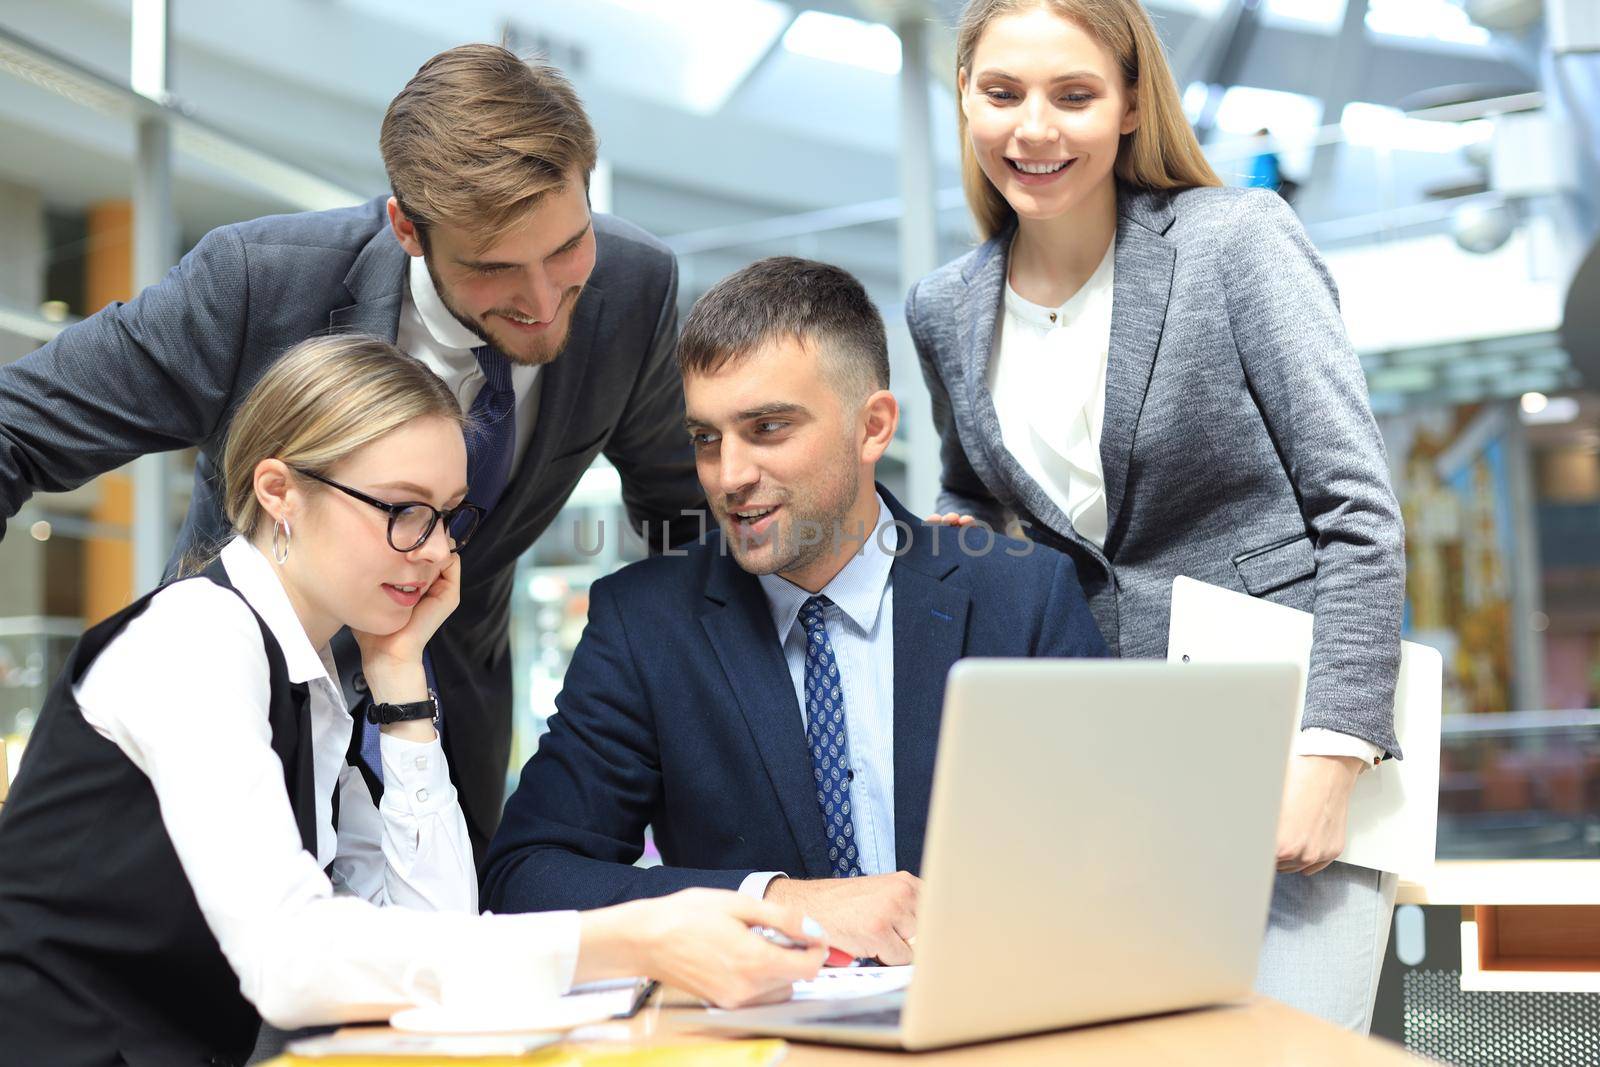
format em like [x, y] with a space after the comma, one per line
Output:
[1346, 73]
[154, 250]
[1526, 575]
[919, 242]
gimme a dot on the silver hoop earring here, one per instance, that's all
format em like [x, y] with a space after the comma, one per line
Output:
[281, 536]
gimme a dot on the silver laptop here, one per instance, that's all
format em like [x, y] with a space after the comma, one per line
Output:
[1100, 845]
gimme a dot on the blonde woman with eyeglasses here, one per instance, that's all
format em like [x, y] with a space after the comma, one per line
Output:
[188, 848]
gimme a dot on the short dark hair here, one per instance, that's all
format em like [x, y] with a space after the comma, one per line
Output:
[787, 297]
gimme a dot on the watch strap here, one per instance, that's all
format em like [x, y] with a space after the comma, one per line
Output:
[384, 714]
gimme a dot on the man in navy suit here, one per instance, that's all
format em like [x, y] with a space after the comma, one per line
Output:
[768, 700]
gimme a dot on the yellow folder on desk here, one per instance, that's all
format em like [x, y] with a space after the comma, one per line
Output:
[1394, 808]
[694, 1054]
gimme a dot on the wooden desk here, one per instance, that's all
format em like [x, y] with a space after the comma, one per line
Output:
[1261, 1031]
[1474, 882]
[1527, 925]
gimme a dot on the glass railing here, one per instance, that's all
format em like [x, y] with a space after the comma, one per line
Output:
[1520, 785]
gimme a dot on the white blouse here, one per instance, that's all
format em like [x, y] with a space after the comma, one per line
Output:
[1047, 373]
[183, 691]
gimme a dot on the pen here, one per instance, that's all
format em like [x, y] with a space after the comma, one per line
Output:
[777, 937]
[837, 957]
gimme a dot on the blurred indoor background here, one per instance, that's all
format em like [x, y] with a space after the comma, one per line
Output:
[1444, 155]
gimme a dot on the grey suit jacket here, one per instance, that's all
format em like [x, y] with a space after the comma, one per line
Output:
[167, 370]
[1238, 446]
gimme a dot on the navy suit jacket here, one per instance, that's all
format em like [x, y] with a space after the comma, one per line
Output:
[678, 713]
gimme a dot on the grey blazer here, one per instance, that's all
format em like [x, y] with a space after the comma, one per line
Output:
[167, 370]
[1238, 447]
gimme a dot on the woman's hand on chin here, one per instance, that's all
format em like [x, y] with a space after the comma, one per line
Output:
[393, 662]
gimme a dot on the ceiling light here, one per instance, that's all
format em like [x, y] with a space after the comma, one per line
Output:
[1435, 20]
[1507, 16]
[1553, 412]
[868, 45]
[1533, 403]
[1482, 228]
[1325, 14]
[1368, 125]
[1291, 117]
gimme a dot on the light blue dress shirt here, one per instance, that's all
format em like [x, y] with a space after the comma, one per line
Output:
[860, 624]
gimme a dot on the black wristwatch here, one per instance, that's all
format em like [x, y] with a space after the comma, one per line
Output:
[384, 714]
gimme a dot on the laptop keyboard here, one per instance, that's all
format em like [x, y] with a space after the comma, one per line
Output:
[880, 1017]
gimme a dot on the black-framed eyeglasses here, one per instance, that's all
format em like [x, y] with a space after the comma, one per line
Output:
[411, 523]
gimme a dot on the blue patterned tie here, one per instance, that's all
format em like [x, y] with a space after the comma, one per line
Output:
[491, 444]
[825, 734]
[491, 430]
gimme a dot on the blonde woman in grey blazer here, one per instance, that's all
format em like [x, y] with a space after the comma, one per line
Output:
[1163, 359]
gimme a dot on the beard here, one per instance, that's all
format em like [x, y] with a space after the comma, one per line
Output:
[811, 527]
[534, 353]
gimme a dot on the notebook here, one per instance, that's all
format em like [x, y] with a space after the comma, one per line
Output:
[1394, 808]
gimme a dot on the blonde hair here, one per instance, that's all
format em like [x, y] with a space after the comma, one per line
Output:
[478, 136]
[1161, 153]
[324, 400]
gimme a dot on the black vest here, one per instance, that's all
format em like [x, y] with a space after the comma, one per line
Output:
[105, 957]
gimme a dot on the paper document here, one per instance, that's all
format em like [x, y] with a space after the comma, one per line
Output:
[847, 983]
[1394, 808]
[585, 1004]
[614, 997]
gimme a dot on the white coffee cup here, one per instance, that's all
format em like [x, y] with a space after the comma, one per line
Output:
[478, 991]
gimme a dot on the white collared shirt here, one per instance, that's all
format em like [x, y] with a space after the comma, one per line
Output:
[183, 691]
[427, 331]
[860, 625]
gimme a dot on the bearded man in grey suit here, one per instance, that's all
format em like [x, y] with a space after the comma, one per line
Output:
[554, 327]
